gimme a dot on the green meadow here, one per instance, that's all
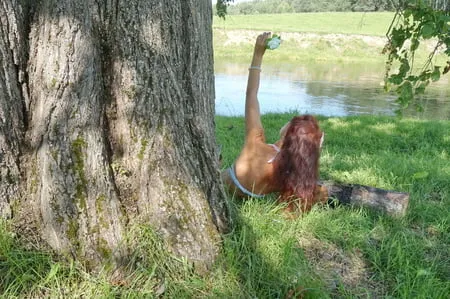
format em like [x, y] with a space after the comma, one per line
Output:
[324, 22]
[335, 251]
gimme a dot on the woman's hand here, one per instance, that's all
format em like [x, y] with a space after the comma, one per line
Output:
[260, 45]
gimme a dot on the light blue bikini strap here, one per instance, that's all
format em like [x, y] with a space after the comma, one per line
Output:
[236, 182]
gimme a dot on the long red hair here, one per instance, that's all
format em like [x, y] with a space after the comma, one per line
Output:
[296, 168]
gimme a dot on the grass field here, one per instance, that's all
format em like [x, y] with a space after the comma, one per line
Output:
[375, 24]
[338, 252]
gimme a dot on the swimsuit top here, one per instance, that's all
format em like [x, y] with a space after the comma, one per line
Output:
[239, 185]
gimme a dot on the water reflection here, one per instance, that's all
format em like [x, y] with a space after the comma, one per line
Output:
[323, 89]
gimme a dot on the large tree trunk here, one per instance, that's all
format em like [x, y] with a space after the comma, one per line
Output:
[120, 125]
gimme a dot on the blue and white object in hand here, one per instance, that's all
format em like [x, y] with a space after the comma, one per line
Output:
[273, 42]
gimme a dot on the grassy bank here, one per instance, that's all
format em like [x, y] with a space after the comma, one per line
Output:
[237, 46]
[330, 252]
[325, 37]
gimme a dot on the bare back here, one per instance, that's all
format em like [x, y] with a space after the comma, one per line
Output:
[253, 168]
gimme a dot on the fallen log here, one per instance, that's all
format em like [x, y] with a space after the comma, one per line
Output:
[390, 202]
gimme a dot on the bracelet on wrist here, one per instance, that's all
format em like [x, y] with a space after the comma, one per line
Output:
[258, 68]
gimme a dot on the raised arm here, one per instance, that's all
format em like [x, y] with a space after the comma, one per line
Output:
[253, 123]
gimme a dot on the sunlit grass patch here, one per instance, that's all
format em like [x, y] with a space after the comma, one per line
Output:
[339, 123]
[385, 128]
[362, 176]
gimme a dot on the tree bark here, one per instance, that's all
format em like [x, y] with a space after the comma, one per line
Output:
[13, 96]
[162, 67]
[119, 125]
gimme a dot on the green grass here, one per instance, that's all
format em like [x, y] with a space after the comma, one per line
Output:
[402, 258]
[331, 252]
[376, 23]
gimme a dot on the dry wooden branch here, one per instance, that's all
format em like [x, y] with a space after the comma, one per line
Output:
[391, 202]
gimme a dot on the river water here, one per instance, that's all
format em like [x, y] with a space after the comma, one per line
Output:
[322, 89]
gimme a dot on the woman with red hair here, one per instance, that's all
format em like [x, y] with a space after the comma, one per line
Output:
[290, 166]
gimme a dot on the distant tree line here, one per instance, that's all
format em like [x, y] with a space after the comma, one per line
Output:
[297, 6]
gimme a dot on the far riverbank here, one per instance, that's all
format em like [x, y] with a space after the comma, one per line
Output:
[324, 37]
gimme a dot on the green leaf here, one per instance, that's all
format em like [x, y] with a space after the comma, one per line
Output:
[395, 79]
[420, 89]
[407, 13]
[414, 44]
[412, 78]
[436, 74]
[404, 67]
[428, 31]
[398, 37]
[404, 103]
[405, 90]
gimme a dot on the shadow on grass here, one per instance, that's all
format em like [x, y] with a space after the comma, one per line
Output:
[267, 261]
[21, 270]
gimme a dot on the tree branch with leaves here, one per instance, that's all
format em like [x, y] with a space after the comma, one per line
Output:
[221, 7]
[416, 21]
